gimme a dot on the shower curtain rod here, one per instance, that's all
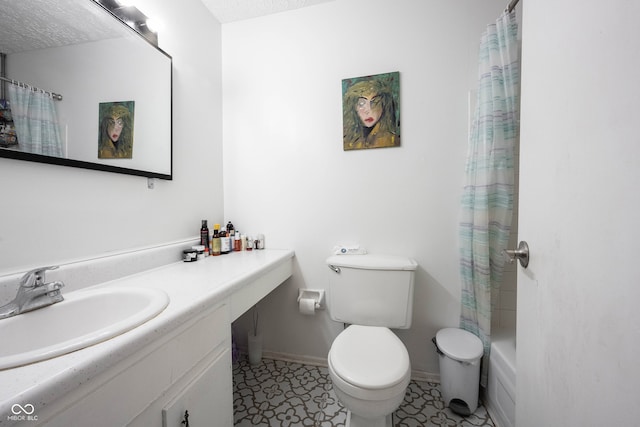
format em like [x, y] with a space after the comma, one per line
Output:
[512, 5]
[55, 96]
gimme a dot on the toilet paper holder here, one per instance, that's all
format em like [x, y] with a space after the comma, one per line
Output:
[315, 294]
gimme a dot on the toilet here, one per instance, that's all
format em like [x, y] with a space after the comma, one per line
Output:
[368, 364]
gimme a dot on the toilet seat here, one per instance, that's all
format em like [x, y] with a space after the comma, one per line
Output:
[370, 358]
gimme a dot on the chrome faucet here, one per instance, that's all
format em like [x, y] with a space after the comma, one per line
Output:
[33, 293]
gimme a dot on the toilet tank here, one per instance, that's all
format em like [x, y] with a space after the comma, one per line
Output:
[371, 290]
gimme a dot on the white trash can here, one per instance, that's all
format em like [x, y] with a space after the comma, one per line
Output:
[459, 354]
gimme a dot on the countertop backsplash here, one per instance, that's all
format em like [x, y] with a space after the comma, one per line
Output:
[81, 274]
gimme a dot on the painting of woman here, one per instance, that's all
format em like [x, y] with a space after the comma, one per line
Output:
[370, 111]
[116, 130]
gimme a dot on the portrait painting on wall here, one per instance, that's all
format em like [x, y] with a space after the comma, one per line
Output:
[116, 130]
[371, 111]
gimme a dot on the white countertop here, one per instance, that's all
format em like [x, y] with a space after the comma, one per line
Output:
[193, 287]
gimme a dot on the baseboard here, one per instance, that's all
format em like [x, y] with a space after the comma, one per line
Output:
[321, 361]
[425, 376]
[295, 358]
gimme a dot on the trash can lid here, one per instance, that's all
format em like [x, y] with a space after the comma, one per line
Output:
[459, 344]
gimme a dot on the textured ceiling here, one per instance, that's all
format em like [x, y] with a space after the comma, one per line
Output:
[38, 24]
[237, 10]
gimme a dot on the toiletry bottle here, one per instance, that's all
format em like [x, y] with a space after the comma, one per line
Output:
[215, 240]
[231, 231]
[237, 242]
[225, 246]
[204, 234]
[249, 243]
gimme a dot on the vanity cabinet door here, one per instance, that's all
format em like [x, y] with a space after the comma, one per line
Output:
[206, 400]
[193, 360]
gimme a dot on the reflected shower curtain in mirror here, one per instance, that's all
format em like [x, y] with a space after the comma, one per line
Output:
[36, 121]
[487, 200]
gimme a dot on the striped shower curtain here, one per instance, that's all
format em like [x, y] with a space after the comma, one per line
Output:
[36, 121]
[487, 201]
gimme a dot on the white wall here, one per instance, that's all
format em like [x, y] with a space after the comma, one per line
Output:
[287, 176]
[53, 214]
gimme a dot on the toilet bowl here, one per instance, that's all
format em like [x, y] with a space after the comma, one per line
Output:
[370, 370]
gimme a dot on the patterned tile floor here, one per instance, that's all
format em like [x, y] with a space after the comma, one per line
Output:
[277, 393]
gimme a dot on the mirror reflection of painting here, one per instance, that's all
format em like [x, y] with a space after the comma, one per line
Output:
[116, 130]
[371, 111]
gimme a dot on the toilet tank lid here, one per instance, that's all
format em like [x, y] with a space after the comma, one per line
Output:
[373, 262]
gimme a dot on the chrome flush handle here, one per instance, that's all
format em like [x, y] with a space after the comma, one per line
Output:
[334, 268]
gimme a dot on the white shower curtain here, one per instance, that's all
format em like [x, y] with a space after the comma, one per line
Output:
[487, 201]
[36, 121]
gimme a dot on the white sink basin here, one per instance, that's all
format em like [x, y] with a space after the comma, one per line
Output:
[84, 318]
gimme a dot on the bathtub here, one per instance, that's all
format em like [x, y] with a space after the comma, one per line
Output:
[501, 384]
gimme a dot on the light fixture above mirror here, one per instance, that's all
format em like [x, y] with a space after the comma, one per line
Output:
[127, 12]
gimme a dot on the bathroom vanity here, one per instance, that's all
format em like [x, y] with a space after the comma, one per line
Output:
[176, 365]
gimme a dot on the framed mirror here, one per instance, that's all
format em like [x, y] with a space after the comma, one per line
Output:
[109, 89]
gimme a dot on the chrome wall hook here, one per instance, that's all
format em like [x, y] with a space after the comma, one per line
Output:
[522, 254]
